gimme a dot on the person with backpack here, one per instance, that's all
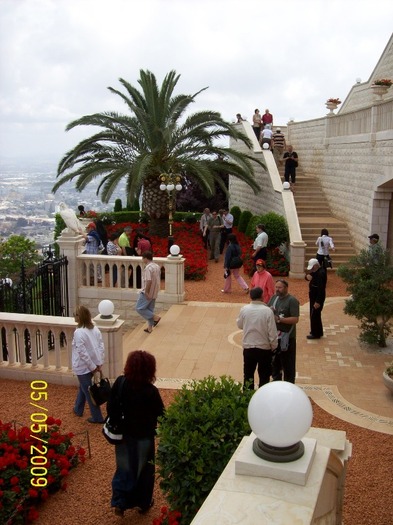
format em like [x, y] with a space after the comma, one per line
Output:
[232, 263]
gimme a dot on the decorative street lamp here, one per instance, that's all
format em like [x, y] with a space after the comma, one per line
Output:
[170, 182]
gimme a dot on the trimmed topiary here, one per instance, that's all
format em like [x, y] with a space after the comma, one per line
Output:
[245, 218]
[276, 227]
[197, 436]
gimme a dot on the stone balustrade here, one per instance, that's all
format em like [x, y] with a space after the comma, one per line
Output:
[40, 347]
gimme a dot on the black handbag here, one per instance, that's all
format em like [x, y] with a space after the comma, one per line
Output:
[100, 389]
[114, 425]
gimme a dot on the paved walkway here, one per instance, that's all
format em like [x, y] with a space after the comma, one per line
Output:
[198, 339]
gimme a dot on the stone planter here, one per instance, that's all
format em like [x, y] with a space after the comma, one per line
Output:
[379, 91]
[331, 106]
[388, 381]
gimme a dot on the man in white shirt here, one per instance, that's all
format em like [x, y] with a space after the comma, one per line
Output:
[259, 339]
[260, 244]
[227, 224]
[206, 215]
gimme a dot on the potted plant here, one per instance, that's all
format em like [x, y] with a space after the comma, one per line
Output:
[380, 87]
[388, 377]
[332, 104]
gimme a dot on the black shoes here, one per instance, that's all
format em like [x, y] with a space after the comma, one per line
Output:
[312, 337]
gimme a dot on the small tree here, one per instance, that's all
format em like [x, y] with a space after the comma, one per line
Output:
[198, 435]
[118, 205]
[369, 278]
[13, 250]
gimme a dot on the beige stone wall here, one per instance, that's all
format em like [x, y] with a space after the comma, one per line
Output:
[356, 173]
[269, 199]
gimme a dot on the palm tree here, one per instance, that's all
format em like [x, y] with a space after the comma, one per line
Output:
[152, 140]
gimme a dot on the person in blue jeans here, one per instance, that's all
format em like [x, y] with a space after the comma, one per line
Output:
[135, 399]
[88, 355]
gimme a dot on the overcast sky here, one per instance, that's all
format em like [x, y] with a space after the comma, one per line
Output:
[57, 58]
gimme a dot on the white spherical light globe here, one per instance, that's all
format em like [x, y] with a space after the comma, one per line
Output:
[106, 308]
[174, 249]
[265, 145]
[286, 186]
[280, 413]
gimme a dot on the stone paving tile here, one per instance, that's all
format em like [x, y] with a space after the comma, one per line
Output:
[197, 339]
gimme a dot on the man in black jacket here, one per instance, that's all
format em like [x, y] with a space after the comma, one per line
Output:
[317, 296]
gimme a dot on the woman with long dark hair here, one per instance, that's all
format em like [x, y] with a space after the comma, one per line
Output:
[135, 396]
[232, 264]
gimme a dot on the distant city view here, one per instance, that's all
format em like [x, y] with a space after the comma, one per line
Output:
[27, 206]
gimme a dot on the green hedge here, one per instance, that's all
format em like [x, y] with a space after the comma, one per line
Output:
[245, 218]
[197, 436]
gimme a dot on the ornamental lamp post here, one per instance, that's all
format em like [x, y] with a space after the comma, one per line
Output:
[170, 182]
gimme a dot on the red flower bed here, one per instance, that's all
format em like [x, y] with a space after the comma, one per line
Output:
[22, 450]
[186, 236]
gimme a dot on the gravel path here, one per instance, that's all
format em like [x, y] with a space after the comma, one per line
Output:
[87, 498]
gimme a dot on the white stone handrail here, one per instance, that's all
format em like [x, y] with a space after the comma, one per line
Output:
[40, 347]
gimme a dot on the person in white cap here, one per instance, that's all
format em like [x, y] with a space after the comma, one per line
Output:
[317, 296]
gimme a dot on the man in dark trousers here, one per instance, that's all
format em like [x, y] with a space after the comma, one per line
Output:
[317, 296]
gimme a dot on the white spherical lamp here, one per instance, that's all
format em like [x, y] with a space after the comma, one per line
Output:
[265, 145]
[179, 187]
[175, 250]
[170, 187]
[106, 309]
[286, 186]
[279, 413]
[162, 187]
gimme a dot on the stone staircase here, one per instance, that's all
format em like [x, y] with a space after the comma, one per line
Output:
[314, 214]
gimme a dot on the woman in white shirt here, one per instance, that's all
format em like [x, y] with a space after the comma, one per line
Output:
[324, 243]
[87, 357]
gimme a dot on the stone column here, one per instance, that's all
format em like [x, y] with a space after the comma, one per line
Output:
[70, 245]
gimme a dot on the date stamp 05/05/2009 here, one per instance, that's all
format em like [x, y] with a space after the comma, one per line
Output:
[38, 459]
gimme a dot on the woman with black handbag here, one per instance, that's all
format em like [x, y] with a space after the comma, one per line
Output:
[136, 401]
[232, 263]
[87, 357]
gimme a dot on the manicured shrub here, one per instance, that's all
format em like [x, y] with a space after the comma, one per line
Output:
[252, 224]
[236, 212]
[276, 227]
[118, 205]
[245, 218]
[197, 436]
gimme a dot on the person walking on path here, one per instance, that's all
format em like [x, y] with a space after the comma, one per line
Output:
[291, 160]
[264, 280]
[317, 296]
[267, 119]
[259, 339]
[88, 354]
[135, 397]
[279, 146]
[151, 277]
[324, 243]
[214, 225]
[286, 311]
[232, 264]
[204, 229]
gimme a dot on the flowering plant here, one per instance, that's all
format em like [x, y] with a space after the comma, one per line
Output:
[18, 447]
[187, 237]
[383, 82]
[168, 517]
[91, 214]
[334, 100]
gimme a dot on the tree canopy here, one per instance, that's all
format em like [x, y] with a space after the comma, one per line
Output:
[13, 250]
[157, 136]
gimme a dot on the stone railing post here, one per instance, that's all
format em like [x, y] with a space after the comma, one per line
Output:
[112, 335]
[71, 246]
